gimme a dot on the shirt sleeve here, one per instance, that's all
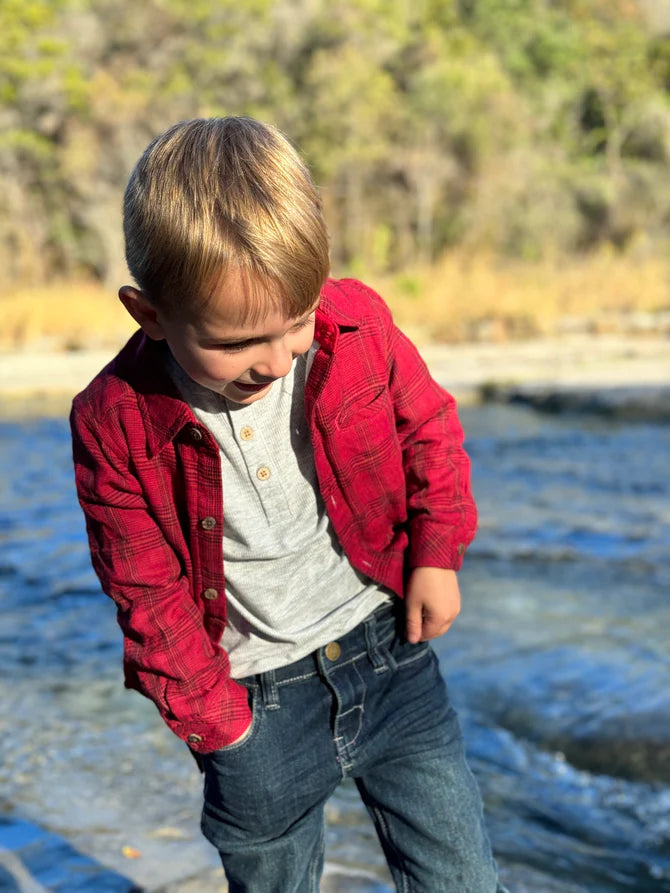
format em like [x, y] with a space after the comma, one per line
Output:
[442, 516]
[168, 655]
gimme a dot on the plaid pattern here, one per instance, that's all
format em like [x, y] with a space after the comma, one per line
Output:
[391, 469]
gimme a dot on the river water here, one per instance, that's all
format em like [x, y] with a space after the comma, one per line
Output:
[558, 665]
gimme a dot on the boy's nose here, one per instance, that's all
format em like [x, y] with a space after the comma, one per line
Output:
[276, 364]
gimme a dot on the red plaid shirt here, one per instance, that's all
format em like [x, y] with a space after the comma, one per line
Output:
[391, 470]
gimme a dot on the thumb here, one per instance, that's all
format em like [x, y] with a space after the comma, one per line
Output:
[414, 619]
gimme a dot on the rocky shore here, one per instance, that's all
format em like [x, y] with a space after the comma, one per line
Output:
[605, 374]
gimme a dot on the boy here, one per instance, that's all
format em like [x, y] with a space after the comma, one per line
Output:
[275, 419]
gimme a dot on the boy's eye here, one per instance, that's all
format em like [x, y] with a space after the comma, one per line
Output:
[303, 323]
[233, 348]
[237, 346]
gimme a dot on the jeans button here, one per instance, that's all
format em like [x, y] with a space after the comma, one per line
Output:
[333, 651]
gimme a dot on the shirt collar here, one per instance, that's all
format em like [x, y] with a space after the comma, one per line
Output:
[331, 319]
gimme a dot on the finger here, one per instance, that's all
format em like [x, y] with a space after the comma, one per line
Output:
[414, 622]
[433, 627]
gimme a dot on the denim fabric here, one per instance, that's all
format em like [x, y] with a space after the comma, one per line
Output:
[377, 712]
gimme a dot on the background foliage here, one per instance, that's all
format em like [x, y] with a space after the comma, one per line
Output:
[532, 129]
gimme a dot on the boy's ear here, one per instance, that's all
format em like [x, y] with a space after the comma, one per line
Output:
[142, 311]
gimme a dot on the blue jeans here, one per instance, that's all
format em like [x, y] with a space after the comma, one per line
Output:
[375, 709]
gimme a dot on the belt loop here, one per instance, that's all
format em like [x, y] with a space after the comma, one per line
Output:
[269, 690]
[377, 653]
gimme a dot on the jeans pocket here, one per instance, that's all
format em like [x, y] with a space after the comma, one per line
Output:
[392, 639]
[250, 736]
[405, 653]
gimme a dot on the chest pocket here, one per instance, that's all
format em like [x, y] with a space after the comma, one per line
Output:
[366, 443]
[364, 407]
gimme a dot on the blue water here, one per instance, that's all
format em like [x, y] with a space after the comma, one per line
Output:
[558, 664]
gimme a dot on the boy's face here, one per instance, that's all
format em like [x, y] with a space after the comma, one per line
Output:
[240, 363]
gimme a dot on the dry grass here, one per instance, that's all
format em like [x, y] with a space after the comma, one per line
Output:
[63, 316]
[459, 299]
[484, 298]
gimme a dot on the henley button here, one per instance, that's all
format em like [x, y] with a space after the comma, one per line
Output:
[246, 433]
[210, 594]
[196, 434]
[461, 548]
[194, 739]
[333, 651]
[263, 473]
[208, 523]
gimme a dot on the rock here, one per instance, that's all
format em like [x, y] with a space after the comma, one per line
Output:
[630, 404]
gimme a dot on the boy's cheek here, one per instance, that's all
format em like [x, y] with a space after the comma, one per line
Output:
[206, 371]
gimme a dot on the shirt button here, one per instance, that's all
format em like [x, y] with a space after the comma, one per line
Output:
[246, 433]
[208, 523]
[194, 739]
[461, 548]
[263, 473]
[210, 594]
[196, 434]
[333, 651]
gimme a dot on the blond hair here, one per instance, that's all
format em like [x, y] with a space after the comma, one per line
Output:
[211, 195]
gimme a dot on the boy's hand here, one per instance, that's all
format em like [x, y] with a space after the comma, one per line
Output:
[432, 602]
[240, 739]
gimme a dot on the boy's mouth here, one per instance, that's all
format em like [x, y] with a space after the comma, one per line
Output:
[252, 388]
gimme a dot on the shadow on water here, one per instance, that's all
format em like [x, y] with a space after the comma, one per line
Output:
[558, 665]
[33, 860]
